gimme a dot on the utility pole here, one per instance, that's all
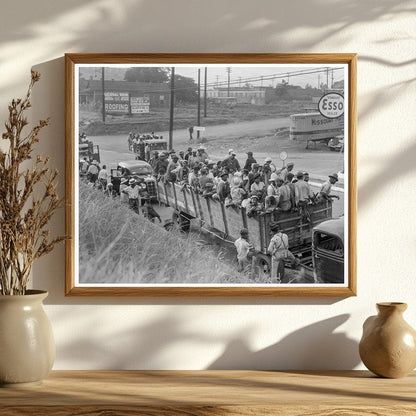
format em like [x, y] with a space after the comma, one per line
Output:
[102, 87]
[172, 103]
[205, 92]
[217, 77]
[228, 89]
[199, 102]
[327, 78]
[332, 79]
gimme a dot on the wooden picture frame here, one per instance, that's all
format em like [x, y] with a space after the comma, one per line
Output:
[276, 74]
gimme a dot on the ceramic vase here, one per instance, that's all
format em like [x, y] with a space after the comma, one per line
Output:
[388, 345]
[27, 347]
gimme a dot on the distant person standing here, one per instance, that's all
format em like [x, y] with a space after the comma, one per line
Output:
[191, 130]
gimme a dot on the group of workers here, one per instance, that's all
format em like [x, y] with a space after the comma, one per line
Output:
[138, 143]
[278, 249]
[258, 188]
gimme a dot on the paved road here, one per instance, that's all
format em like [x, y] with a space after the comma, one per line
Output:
[251, 134]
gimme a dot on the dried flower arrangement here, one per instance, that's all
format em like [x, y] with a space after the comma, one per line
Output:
[28, 199]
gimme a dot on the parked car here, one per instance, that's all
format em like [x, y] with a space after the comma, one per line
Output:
[137, 169]
[336, 144]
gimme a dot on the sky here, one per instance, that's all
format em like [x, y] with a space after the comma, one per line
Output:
[260, 75]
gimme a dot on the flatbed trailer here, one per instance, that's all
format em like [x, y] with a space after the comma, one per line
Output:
[228, 221]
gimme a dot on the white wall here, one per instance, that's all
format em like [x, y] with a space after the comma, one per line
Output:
[195, 333]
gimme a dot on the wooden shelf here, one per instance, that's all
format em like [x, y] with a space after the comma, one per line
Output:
[253, 393]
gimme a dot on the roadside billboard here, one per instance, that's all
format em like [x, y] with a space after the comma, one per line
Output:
[139, 105]
[116, 102]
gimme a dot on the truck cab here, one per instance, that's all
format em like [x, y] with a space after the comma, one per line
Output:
[90, 150]
[328, 251]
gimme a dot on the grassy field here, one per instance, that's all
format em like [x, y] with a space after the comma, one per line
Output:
[118, 246]
[184, 116]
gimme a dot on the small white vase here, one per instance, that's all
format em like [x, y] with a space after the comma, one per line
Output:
[27, 346]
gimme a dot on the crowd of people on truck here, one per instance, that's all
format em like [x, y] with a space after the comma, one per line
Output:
[257, 187]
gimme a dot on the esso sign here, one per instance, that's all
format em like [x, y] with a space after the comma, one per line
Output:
[331, 105]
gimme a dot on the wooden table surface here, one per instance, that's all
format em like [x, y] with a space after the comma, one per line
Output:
[254, 393]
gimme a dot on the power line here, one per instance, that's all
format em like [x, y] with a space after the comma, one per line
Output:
[258, 78]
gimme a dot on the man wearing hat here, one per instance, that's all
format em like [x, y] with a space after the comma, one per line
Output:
[103, 178]
[162, 164]
[269, 164]
[325, 192]
[173, 164]
[279, 250]
[231, 163]
[193, 178]
[188, 154]
[258, 185]
[124, 198]
[193, 159]
[286, 169]
[182, 171]
[204, 179]
[238, 193]
[223, 187]
[154, 159]
[133, 193]
[209, 189]
[249, 162]
[202, 154]
[245, 251]
[255, 169]
[251, 205]
[274, 184]
[92, 173]
[302, 190]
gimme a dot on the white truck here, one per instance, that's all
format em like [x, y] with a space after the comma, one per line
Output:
[314, 127]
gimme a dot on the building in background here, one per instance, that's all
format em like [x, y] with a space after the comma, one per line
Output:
[240, 95]
[123, 97]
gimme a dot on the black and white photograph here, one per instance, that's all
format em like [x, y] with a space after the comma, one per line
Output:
[211, 175]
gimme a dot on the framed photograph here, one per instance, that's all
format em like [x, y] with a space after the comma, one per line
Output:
[211, 174]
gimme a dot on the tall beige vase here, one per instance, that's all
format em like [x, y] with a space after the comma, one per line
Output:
[27, 347]
[388, 345]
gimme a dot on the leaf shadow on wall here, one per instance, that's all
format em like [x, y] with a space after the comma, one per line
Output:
[316, 346]
[150, 345]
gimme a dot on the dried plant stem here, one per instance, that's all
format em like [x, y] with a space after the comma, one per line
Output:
[23, 216]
